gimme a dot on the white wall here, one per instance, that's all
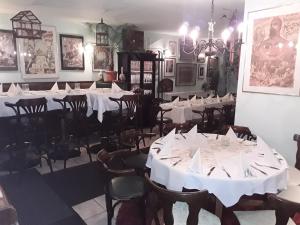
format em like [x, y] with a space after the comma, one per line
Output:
[62, 27]
[158, 41]
[273, 117]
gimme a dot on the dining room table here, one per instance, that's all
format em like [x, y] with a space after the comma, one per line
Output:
[97, 99]
[182, 111]
[227, 166]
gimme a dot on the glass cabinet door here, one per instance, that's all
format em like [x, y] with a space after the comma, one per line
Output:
[135, 74]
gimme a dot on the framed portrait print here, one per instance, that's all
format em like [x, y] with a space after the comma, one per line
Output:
[272, 61]
[8, 51]
[38, 57]
[71, 52]
[170, 67]
[186, 74]
[201, 72]
[173, 48]
[186, 49]
[103, 58]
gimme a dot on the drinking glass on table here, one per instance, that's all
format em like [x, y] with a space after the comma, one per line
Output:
[25, 87]
[77, 86]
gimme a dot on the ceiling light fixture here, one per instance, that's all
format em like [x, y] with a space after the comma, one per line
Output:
[211, 46]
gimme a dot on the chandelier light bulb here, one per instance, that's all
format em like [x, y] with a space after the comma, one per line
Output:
[226, 34]
[291, 44]
[195, 33]
[240, 27]
[183, 30]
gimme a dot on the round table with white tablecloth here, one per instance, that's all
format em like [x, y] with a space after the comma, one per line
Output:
[226, 167]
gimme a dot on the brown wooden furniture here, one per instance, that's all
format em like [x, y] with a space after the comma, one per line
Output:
[75, 128]
[240, 131]
[166, 198]
[123, 184]
[165, 85]
[208, 121]
[297, 139]
[8, 214]
[29, 138]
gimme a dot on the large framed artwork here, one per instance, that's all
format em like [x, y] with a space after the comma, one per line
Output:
[8, 51]
[103, 58]
[272, 62]
[170, 67]
[38, 57]
[186, 74]
[71, 52]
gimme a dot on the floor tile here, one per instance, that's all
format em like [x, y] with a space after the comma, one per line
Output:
[88, 209]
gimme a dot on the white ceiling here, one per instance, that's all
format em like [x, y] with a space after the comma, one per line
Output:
[149, 15]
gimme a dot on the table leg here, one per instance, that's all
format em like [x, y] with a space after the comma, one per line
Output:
[226, 215]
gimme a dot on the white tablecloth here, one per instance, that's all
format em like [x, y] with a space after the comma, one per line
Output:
[184, 94]
[215, 154]
[182, 111]
[97, 100]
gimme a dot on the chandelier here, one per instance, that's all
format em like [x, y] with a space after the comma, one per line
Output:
[210, 46]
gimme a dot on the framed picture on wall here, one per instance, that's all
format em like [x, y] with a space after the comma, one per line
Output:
[185, 49]
[71, 52]
[201, 71]
[8, 51]
[173, 48]
[272, 60]
[103, 58]
[39, 57]
[170, 67]
[186, 74]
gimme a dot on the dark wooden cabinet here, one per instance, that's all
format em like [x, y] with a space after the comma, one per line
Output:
[139, 70]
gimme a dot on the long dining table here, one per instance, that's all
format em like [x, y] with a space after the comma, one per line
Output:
[97, 99]
[227, 167]
[182, 111]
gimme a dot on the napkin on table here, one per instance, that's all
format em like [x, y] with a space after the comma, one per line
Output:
[167, 141]
[194, 98]
[19, 89]
[231, 135]
[68, 88]
[269, 156]
[54, 87]
[196, 164]
[218, 99]
[176, 100]
[93, 86]
[115, 87]
[231, 98]
[12, 90]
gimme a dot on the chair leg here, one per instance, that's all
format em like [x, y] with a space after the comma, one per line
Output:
[88, 150]
[281, 217]
[168, 215]
[109, 208]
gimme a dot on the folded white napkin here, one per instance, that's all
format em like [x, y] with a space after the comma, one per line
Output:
[269, 156]
[231, 135]
[194, 98]
[168, 141]
[19, 89]
[196, 164]
[68, 88]
[54, 87]
[115, 87]
[193, 131]
[209, 97]
[1, 194]
[218, 99]
[231, 98]
[93, 86]
[12, 91]
[176, 100]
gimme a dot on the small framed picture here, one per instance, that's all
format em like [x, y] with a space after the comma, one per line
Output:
[201, 71]
[173, 48]
[71, 50]
[170, 67]
[8, 52]
[103, 58]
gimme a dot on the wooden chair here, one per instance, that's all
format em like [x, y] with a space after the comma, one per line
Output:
[208, 122]
[75, 128]
[240, 131]
[123, 184]
[228, 114]
[165, 85]
[29, 139]
[294, 172]
[166, 198]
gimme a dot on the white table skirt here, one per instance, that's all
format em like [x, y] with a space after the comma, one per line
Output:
[182, 111]
[227, 190]
[96, 99]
